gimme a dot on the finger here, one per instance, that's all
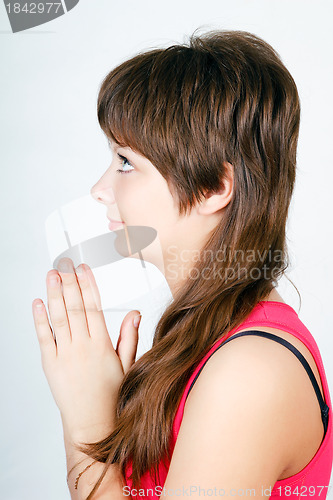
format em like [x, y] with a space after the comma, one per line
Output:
[73, 299]
[92, 301]
[128, 340]
[57, 309]
[44, 332]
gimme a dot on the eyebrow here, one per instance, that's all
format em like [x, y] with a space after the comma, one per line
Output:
[130, 153]
[113, 145]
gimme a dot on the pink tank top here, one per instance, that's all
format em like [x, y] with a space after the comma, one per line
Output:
[313, 480]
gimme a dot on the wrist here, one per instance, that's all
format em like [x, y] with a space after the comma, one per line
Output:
[89, 434]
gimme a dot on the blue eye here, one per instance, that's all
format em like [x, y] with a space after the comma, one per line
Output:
[124, 159]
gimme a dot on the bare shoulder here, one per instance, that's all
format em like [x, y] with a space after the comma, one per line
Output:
[250, 381]
[233, 432]
[243, 426]
[258, 390]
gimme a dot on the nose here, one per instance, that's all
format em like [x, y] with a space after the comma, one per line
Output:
[102, 194]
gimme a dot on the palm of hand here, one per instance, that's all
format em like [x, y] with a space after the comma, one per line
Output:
[83, 369]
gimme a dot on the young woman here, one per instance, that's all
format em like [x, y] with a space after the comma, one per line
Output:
[232, 398]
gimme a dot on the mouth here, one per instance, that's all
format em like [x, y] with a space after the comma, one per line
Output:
[115, 224]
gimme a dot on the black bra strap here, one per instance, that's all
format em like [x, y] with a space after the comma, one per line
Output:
[323, 406]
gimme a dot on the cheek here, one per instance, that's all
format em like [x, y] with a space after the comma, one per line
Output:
[126, 197]
[145, 202]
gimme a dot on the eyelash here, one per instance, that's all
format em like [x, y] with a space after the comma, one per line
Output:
[123, 158]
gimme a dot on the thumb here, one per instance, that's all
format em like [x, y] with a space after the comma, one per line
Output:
[128, 340]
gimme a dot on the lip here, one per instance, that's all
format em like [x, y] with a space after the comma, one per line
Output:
[114, 224]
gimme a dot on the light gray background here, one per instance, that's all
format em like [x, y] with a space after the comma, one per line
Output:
[53, 151]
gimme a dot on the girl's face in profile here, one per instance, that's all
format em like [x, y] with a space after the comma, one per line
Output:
[134, 192]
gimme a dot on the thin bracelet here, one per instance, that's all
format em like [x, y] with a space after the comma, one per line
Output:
[80, 474]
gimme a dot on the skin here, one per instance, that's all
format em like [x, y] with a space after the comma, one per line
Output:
[179, 238]
[82, 356]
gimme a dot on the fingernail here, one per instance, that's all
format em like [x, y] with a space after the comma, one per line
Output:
[65, 266]
[80, 272]
[54, 281]
[136, 321]
[39, 307]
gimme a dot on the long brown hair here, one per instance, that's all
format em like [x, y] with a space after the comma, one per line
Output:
[225, 96]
